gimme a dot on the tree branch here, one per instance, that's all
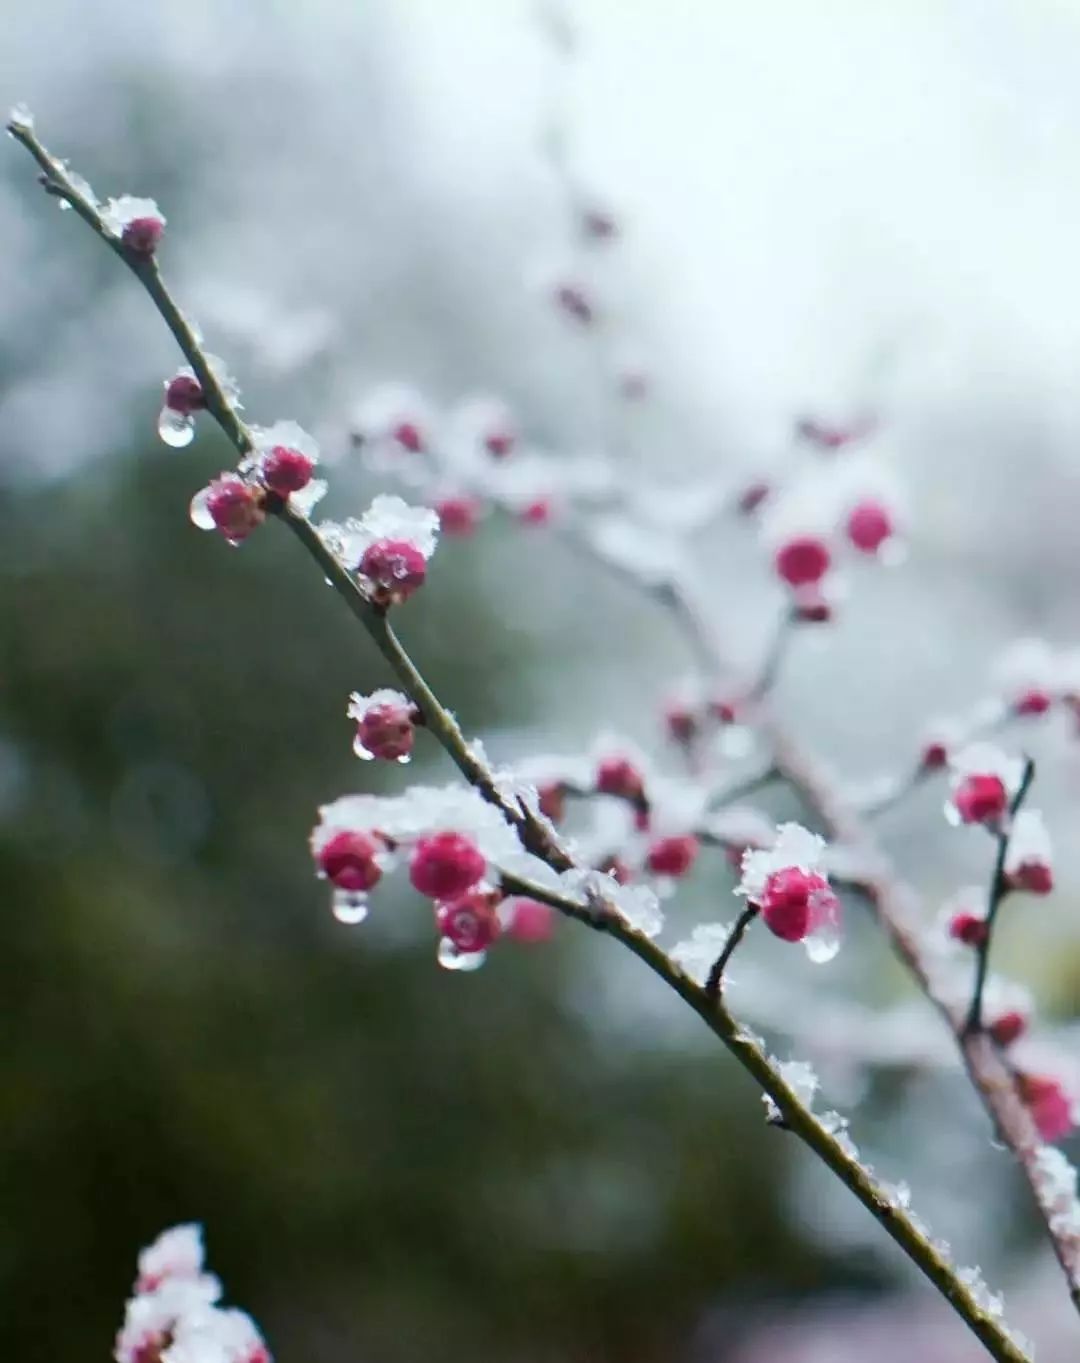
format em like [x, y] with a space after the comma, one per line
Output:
[534, 834]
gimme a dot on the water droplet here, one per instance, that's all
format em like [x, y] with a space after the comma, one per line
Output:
[404, 759]
[450, 958]
[199, 510]
[350, 907]
[823, 943]
[175, 429]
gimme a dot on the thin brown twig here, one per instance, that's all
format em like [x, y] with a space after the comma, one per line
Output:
[999, 888]
[715, 979]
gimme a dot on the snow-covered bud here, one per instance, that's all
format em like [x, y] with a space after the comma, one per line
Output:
[536, 512]
[389, 546]
[789, 887]
[1052, 1108]
[350, 860]
[984, 780]
[530, 921]
[408, 435]
[598, 225]
[229, 505]
[980, 798]
[470, 922]
[802, 561]
[681, 720]
[752, 496]
[673, 856]
[139, 223]
[184, 394]
[177, 1253]
[444, 866]
[617, 869]
[385, 725]
[552, 800]
[969, 928]
[1029, 676]
[285, 470]
[458, 515]
[1008, 1027]
[394, 568]
[811, 606]
[574, 302]
[142, 235]
[620, 777]
[869, 525]
[393, 417]
[1029, 858]
[831, 437]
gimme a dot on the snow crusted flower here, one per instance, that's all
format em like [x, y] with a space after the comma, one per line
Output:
[792, 892]
[385, 723]
[388, 547]
[284, 459]
[984, 781]
[173, 1316]
[1029, 859]
[1027, 675]
[394, 418]
[138, 223]
[229, 505]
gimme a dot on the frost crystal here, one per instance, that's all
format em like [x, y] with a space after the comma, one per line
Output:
[118, 213]
[1056, 1184]
[990, 1302]
[421, 811]
[837, 1127]
[695, 955]
[800, 1076]
[308, 497]
[637, 904]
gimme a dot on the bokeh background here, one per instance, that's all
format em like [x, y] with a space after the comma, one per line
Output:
[822, 209]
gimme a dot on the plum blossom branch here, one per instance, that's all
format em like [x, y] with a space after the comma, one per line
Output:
[824, 1139]
[999, 888]
[895, 907]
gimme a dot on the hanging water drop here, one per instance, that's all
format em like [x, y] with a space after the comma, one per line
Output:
[199, 510]
[451, 958]
[349, 907]
[175, 428]
[823, 943]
